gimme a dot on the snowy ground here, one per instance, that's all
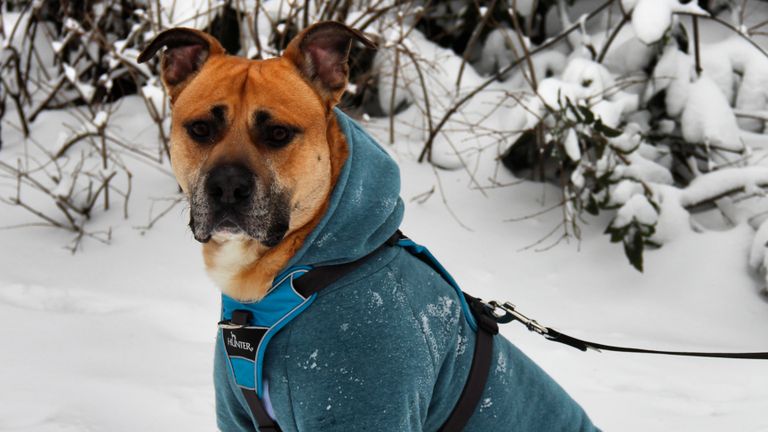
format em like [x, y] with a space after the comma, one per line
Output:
[120, 337]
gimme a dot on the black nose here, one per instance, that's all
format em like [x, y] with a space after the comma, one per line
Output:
[229, 185]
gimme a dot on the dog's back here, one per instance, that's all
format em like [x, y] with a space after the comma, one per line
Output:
[387, 348]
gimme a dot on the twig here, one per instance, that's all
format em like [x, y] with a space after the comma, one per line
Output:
[424, 196]
[604, 50]
[543, 239]
[445, 200]
[697, 51]
[393, 94]
[538, 213]
[423, 84]
[526, 52]
[731, 27]
[72, 141]
[473, 41]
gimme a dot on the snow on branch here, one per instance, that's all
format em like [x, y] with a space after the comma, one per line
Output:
[712, 186]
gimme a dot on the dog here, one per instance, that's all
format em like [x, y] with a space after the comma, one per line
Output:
[280, 181]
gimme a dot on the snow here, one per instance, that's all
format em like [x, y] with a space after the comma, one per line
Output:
[132, 324]
[571, 144]
[672, 73]
[57, 46]
[627, 54]
[501, 46]
[652, 18]
[718, 182]
[674, 221]
[155, 94]
[593, 77]
[636, 208]
[708, 118]
[100, 119]
[641, 168]
[757, 256]
[624, 191]
[524, 7]
[86, 90]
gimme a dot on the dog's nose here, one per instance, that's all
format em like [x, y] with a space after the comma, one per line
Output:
[229, 184]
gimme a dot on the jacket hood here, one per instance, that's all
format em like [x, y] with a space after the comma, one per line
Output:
[365, 208]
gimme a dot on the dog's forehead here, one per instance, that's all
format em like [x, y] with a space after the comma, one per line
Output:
[245, 87]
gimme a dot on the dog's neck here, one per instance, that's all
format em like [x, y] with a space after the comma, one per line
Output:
[242, 267]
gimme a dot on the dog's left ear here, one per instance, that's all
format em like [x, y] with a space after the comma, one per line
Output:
[321, 53]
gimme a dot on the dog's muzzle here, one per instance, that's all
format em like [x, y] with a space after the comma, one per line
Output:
[231, 200]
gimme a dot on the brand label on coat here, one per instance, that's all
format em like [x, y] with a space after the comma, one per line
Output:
[243, 342]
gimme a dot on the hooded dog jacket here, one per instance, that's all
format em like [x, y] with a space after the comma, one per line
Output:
[387, 347]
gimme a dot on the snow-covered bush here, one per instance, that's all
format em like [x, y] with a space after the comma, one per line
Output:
[650, 111]
[635, 113]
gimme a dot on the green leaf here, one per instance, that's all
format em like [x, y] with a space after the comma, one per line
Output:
[633, 248]
[592, 207]
[573, 110]
[588, 116]
[617, 234]
[605, 130]
[599, 147]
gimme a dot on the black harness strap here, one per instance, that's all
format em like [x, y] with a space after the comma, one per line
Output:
[266, 424]
[478, 372]
[318, 278]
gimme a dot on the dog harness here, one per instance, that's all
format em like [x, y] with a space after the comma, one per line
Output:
[247, 328]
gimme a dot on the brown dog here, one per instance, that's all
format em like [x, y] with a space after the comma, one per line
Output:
[255, 146]
[261, 154]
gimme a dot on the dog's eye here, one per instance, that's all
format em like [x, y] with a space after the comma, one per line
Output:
[278, 136]
[200, 130]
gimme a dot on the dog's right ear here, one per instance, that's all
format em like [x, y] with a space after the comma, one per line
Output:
[186, 51]
[321, 54]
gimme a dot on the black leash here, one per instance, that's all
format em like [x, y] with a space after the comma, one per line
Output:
[488, 316]
[507, 312]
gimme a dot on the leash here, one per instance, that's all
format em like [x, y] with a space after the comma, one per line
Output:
[506, 312]
[299, 288]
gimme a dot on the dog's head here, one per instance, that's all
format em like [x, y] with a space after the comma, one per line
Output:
[249, 138]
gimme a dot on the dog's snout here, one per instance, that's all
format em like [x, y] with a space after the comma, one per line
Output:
[229, 184]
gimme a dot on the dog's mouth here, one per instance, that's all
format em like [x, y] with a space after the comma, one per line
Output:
[220, 229]
[228, 229]
[227, 225]
[269, 230]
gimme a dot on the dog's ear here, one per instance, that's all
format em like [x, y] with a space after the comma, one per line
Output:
[186, 51]
[321, 53]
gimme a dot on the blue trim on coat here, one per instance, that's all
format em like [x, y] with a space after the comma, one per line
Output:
[281, 304]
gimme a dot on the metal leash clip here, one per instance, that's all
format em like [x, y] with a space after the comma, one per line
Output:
[511, 309]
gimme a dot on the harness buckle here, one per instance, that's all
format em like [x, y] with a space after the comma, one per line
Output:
[240, 319]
